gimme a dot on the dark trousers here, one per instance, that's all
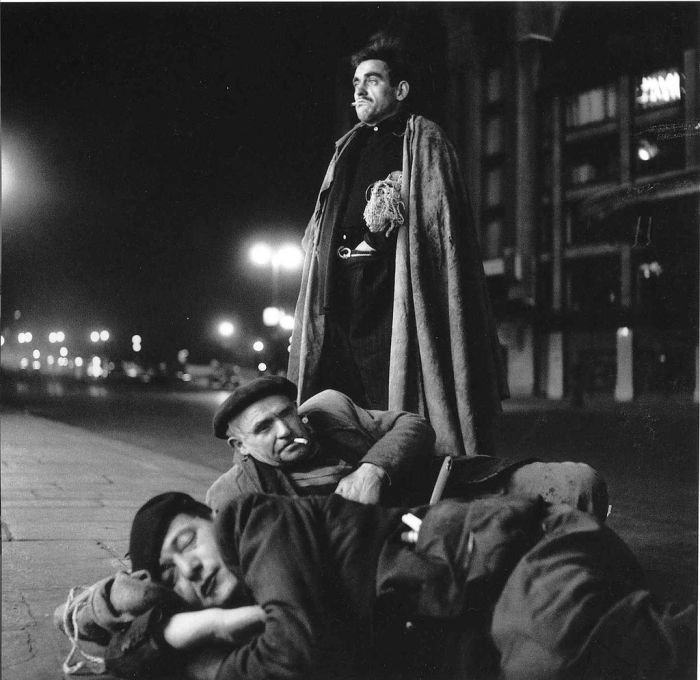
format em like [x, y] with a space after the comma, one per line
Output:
[357, 340]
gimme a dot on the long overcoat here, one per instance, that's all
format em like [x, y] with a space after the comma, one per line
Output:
[445, 358]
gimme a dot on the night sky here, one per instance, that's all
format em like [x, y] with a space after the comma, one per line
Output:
[146, 145]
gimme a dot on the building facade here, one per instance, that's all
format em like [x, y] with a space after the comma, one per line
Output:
[578, 126]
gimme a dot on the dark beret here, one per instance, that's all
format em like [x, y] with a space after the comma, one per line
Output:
[248, 394]
[151, 523]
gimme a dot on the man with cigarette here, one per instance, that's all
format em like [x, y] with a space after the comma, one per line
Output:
[330, 445]
[393, 308]
[327, 444]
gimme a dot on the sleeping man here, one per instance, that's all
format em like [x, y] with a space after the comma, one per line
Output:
[321, 587]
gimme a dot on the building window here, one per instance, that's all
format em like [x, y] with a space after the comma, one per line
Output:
[494, 136]
[593, 106]
[658, 89]
[492, 240]
[494, 85]
[592, 161]
[493, 187]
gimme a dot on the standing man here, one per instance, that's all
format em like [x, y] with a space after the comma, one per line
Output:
[393, 308]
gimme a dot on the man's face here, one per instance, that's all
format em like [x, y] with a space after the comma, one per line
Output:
[267, 429]
[191, 563]
[375, 98]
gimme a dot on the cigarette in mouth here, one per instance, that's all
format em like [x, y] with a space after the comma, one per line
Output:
[301, 440]
[353, 104]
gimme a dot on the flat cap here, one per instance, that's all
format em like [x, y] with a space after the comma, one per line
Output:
[248, 394]
[151, 524]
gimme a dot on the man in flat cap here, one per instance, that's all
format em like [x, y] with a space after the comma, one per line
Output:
[326, 445]
[329, 444]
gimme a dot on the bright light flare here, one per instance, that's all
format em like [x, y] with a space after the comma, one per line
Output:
[104, 336]
[226, 329]
[36, 354]
[271, 316]
[262, 367]
[260, 254]
[95, 336]
[63, 351]
[289, 257]
[287, 322]
[258, 346]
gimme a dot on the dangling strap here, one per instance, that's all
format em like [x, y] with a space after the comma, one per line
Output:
[89, 663]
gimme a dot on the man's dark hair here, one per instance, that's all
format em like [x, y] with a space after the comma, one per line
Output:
[387, 48]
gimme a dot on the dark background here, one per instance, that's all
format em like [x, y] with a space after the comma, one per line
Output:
[149, 144]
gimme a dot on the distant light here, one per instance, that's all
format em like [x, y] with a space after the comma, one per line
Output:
[623, 332]
[271, 316]
[36, 353]
[23, 362]
[136, 347]
[63, 351]
[104, 336]
[52, 337]
[135, 339]
[57, 336]
[260, 254]
[95, 336]
[2, 340]
[78, 361]
[258, 346]
[36, 365]
[226, 329]
[50, 360]
[659, 88]
[287, 322]
[24, 337]
[289, 257]
[647, 150]
[62, 361]
[262, 366]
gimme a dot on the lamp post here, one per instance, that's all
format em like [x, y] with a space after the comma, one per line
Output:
[287, 257]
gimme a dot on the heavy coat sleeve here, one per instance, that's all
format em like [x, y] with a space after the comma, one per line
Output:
[275, 546]
[396, 441]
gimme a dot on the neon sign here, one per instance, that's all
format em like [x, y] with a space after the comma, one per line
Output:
[658, 89]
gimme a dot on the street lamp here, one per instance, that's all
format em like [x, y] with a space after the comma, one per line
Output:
[287, 256]
[226, 329]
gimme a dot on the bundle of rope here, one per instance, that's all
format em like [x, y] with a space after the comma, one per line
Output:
[384, 209]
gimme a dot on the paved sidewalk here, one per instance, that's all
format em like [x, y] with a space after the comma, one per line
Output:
[68, 498]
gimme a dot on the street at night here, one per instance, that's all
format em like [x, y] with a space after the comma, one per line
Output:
[265, 264]
[647, 452]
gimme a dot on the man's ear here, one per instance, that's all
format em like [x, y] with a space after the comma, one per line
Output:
[235, 443]
[402, 90]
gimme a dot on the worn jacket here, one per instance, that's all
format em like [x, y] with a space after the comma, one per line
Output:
[340, 588]
[445, 359]
[398, 442]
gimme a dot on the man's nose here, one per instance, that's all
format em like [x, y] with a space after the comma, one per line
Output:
[188, 565]
[283, 429]
[360, 88]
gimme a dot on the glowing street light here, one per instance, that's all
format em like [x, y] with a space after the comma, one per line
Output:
[262, 367]
[226, 329]
[104, 335]
[24, 337]
[63, 351]
[95, 336]
[287, 256]
[287, 322]
[258, 346]
[56, 336]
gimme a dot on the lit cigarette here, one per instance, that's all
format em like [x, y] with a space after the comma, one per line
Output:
[411, 521]
[353, 104]
[301, 440]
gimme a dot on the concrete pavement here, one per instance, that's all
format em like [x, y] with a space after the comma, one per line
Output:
[68, 498]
